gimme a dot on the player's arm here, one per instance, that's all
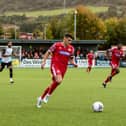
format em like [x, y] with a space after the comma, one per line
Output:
[87, 56]
[47, 54]
[123, 56]
[108, 54]
[94, 56]
[72, 61]
[45, 57]
[3, 53]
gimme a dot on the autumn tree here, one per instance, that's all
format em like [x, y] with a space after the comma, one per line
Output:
[89, 26]
[121, 31]
[1, 30]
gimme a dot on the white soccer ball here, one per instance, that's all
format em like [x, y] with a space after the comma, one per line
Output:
[97, 106]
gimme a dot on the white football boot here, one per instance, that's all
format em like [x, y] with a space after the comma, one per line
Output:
[46, 98]
[39, 102]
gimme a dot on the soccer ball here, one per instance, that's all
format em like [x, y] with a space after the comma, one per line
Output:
[97, 106]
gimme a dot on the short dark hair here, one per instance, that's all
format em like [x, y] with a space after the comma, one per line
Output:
[68, 35]
[119, 45]
[9, 41]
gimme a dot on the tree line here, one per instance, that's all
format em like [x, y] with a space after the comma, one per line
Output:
[88, 26]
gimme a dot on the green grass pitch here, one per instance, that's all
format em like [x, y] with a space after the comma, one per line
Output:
[70, 104]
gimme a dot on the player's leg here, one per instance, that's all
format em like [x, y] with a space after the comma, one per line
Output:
[114, 71]
[47, 92]
[87, 70]
[2, 66]
[56, 80]
[90, 69]
[9, 65]
[107, 79]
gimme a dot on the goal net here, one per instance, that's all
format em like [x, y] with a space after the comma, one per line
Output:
[16, 60]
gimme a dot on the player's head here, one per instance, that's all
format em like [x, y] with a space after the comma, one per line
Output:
[9, 44]
[119, 46]
[91, 51]
[67, 39]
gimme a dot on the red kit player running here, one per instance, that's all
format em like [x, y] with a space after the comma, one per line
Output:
[61, 53]
[90, 57]
[116, 55]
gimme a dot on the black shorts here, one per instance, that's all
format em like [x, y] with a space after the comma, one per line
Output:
[6, 64]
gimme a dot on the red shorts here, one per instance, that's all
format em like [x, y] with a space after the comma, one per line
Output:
[114, 65]
[89, 64]
[57, 70]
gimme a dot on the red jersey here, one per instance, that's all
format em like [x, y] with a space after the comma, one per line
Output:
[116, 56]
[61, 54]
[90, 57]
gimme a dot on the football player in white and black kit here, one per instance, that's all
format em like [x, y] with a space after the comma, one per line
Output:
[7, 54]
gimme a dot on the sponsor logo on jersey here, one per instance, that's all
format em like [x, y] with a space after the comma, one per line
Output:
[117, 54]
[64, 53]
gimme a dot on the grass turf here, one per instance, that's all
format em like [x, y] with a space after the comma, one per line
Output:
[70, 104]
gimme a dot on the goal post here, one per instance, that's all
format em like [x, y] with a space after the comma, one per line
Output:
[16, 60]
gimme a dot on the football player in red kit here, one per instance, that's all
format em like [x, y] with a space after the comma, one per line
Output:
[61, 53]
[90, 57]
[114, 55]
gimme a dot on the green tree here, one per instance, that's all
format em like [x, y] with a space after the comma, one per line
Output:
[14, 34]
[38, 34]
[1, 30]
[89, 26]
[61, 25]
[121, 31]
[49, 32]
[54, 26]
[111, 25]
[28, 26]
